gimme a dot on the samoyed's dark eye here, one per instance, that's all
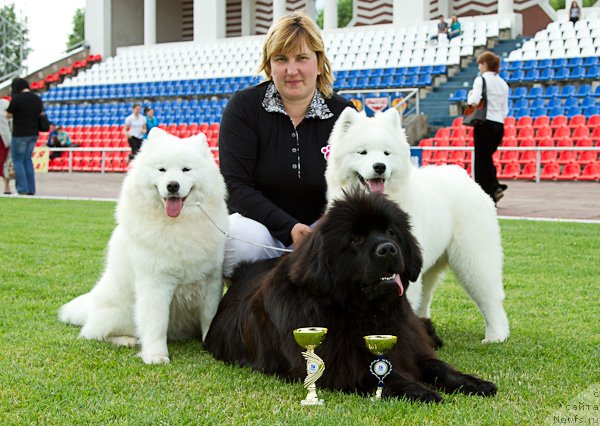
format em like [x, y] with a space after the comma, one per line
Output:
[386, 152]
[186, 169]
[162, 170]
[363, 152]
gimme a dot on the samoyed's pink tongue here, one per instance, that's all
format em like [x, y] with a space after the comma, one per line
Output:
[174, 206]
[399, 284]
[376, 185]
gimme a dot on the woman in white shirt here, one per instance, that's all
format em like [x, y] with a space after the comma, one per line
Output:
[488, 135]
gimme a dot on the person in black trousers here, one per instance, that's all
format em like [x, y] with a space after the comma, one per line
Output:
[488, 135]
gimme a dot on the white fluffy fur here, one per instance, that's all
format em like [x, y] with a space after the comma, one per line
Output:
[163, 275]
[454, 221]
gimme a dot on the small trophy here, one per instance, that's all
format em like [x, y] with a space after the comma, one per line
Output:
[309, 338]
[379, 345]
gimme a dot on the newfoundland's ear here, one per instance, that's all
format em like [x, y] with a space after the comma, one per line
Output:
[308, 264]
[413, 259]
[346, 119]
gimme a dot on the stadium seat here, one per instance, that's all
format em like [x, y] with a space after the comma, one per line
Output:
[525, 132]
[571, 171]
[529, 171]
[581, 131]
[559, 121]
[593, 121]
[510, 171]
[591, 172]
[509, 157]
[543, 132]
[561, 132]
[550, 171]
[566, 157]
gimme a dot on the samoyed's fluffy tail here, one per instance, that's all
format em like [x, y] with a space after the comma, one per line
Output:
[75, 312]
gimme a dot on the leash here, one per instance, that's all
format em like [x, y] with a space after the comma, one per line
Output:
[239, 239]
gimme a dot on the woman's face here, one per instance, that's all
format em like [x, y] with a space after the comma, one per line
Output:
[295, 73]
[482, 67]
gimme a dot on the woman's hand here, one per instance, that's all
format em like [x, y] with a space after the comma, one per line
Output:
[299, 232]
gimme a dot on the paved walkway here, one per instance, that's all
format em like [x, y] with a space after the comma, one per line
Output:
[552, 200]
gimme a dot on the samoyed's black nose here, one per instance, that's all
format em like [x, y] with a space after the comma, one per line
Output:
[173, 186]
[379, 168]
[386, 250]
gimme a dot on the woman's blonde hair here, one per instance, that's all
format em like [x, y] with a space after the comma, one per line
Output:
[287, 35]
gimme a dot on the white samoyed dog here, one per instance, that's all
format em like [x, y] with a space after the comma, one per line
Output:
[454, 221]
[162, 278]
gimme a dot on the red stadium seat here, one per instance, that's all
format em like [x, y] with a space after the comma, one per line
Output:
[559, 121]
[458, 142]
[509, 157]
[565, 142]
[509, 122]
[457, 157]
[529, 171]
[525, 121]
[571, 171]
[593, 121]
[543, 132]
[509, 141]
[587, 157]
[525, 132]
[550, 171]
[528, 157]
[580, 132]
[510, 132]
[591, 172]
[527, 142]
[541, 121]
[549, 156]
[510, 171]
[442, 133]
[576, 121]
[457, 122]
[561, 132]
[595, 136]
[545, 142]
[566, 157]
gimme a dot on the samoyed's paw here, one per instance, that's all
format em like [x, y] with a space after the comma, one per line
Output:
[128, 341]
[155, 358]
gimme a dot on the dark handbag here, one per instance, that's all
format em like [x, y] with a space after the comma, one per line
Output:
[43, 122]
[475, 115]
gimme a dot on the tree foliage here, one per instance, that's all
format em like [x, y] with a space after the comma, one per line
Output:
[344, 14]
[77, 33]
[13, 41]
[560, 4]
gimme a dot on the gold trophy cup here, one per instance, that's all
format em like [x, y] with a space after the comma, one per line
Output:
[309, 338]
[379, 345]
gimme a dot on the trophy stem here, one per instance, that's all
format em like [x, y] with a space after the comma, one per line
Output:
[379, 390]
[314, 369]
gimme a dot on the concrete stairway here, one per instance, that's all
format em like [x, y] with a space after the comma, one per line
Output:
[436, 104]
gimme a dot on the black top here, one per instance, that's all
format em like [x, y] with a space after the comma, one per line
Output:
[275, 174]
[26, 109]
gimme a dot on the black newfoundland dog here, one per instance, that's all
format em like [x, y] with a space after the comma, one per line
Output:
[349, 276]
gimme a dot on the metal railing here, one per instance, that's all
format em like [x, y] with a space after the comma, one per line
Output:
[538, 149]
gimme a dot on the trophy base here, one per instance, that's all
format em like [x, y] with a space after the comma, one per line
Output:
[315, 401]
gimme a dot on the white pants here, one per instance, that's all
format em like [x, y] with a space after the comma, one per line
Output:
[237, 251]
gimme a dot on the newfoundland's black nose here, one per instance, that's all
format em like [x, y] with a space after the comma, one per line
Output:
[379, 168]
[386, 250]
[173, 186]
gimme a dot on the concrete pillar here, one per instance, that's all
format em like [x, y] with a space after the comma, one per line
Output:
[505, 7]
[98, 29]
[409, 12]
[330, 15]
[209, 20]
[149, 22]
[279, 9]
[248, 17]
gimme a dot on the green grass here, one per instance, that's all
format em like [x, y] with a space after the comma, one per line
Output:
[51, 251]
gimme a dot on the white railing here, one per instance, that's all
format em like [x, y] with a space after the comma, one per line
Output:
[538, 149]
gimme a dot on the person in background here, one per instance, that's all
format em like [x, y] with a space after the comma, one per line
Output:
[488, 136]
[442, 28]
[455, 29]
[270, 143]
[135, 128]
[574, 12]
[6, 136]
[59, 138]
[151, 120]
[25, 108]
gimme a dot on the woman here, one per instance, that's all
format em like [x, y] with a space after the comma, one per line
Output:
[455, 29]
[270, 143]
[151, 120]
[25, 108]
[574, 12]
[6, 136]
[488, 135]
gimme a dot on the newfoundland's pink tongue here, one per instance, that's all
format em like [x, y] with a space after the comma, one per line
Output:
[376, 185]
[174, 206]
[399, 284]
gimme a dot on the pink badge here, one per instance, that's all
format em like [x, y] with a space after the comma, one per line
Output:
[325, 151]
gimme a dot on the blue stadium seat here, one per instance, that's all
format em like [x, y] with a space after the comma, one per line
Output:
[544, 63]
[547, 74]
[426, 69]
[553, 112]
[412, 81]
[592, 73]
[362, 83]
[591, 110]
[567, 91]
[374, 82]
[532, 75]
[574, 62]
[577, 73]
[584, 90]
[521, 112]
[387, 81]
[562, 74]
[514, 65]
[554, 102]
[516, 76]
[534, 93]
[400, 71]
[521, 103]
[458, 96]
[591, 61]
[529, 64]
[412, 71]
[536, 112]
[550, 92]
[571, 102]
[538, 103]
[440, 69]
[518, 93]
[588, 101]
[504, 75]
[559, 63]
[399, 80]
[574, 110]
